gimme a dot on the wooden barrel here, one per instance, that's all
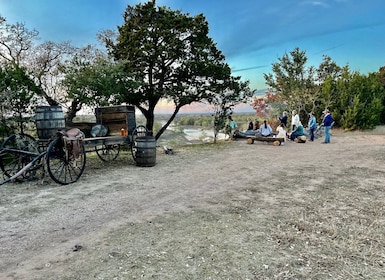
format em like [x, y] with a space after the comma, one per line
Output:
[49, 119]
[145, 151]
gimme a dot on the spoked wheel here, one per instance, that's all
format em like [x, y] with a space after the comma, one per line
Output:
[319, 132]
[107, 152]
[139, 131]
[17, 151]
[65, 160]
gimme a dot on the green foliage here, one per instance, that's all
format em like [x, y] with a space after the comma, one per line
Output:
[356, 101]
[293, 80]
[17, 95]
[172, 57]
[94, 80]
[359, 101]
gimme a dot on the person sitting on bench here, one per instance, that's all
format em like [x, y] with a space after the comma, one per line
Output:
[297, 132]
[281, 131]
[265, 129]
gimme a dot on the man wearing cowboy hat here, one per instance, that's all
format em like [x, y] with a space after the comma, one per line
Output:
[327, 123]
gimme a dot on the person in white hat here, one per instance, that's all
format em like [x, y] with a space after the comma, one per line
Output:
[327, 123]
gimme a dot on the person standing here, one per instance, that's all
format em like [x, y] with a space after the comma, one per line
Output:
[283, 118]
[327, 123]
[312, 125]
[294, 120]
[233, 127]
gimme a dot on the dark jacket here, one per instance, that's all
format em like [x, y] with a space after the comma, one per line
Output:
[328, 120]
[283, 120]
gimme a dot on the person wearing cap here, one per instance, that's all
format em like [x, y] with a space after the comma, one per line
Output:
[327, 123]
[312, 125]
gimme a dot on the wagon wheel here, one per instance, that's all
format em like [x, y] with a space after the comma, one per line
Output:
[139, 131]
[16, 152]
[319, 132]
[65, 163]
[108, 152]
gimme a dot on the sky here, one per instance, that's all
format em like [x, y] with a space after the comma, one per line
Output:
[252, 34]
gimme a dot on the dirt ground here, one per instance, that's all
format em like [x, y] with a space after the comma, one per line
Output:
[225, 211]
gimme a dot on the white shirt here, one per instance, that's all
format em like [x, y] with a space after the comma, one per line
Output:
[295, 120]
[281, 132]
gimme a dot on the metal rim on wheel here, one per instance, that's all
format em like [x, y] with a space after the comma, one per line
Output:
[63, 165]
[18, 150]
[107, 152]
[139, 131]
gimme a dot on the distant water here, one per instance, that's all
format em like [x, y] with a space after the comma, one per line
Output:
[201, 134]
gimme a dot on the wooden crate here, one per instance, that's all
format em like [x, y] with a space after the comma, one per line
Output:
[116, 118]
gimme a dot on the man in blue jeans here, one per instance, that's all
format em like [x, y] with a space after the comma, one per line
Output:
[297, 132]
[312, 125]
[327, 123]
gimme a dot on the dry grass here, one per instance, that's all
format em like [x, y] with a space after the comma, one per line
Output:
[205, 213]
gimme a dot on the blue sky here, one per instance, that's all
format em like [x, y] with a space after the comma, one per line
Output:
[252, 34]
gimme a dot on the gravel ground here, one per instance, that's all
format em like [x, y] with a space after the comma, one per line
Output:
[224, 211]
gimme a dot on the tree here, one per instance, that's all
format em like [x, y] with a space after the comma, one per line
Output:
[43, 62]
[16, 42]
[171, 57]
[293, 80]
[46, 66]
[17, 94]
[224, 102]
[306, 89]
[359, 100]
[92, 79]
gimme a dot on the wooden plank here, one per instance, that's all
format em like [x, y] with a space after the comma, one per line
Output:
[121, 140]
[116, 118]
[266, 139]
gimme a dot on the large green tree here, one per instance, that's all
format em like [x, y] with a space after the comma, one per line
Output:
[294, 81]
[356, 100]
[172, 57]
[17, 96]
[92, 79]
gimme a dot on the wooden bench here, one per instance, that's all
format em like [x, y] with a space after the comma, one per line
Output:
[276, 141]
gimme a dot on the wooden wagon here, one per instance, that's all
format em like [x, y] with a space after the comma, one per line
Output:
[63, 152]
